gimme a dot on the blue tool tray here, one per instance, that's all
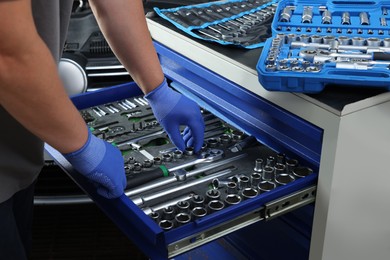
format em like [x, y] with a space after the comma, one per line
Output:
[137, 222]
[316, 43]
[241, 23]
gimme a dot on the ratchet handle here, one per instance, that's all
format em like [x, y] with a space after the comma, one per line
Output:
[138, 179]
[381, 56]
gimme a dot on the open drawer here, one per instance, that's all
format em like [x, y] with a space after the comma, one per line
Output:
[238, 179]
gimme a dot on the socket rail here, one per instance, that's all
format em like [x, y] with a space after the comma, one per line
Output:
[267, 212]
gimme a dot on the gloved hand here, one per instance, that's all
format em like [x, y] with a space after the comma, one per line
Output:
[172, 109]
[101, 163]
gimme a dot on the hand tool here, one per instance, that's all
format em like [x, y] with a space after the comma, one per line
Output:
[265, 186]
[232, 199]
[361, 65]
[182, 218]
[307, 14]
[166, 224]
[249, 193]
[144, 177]
[172, 202]
[326, 17]
[345, 18]
[302, 171]
[165, 181]
[367, 49]
[259, 164]
[246, 142]
[135, 140]
[324, 56]
[286, 13]
[364, 20]
[198, 212]
[268, 173]
[215, 205]
[284, 178]
[140, 200]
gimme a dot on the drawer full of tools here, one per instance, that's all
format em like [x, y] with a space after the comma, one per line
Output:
[316, 43]
[178, 200]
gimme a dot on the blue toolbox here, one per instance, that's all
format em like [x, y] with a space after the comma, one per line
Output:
[240, 23]
[177, 201]
[316, 43]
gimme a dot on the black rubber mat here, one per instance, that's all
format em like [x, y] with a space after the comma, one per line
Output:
[78, 232]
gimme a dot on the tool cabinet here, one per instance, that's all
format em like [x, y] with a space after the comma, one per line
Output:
[325, 132]
[354, 145]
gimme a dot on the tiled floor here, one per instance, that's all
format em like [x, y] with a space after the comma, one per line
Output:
[78, 232]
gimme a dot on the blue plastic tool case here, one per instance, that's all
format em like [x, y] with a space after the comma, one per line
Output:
[316, 43]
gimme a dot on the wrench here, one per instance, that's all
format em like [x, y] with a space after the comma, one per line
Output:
[142, 178]
[315, 55]
[171, 179]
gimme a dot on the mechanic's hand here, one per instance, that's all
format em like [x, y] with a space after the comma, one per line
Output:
[172, 110]
[102, 163]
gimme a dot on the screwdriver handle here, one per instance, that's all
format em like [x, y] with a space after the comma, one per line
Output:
[138, 179]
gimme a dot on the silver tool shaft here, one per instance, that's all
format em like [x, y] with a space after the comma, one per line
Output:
[150, 197]
[172, 179]
[368, 49]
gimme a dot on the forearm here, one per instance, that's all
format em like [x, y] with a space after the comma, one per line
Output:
[30, 88]
[124, 26]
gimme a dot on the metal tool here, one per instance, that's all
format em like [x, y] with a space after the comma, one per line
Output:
[307, 14]
[324, 56]
[205, 157]
[165, 181]
[364, 20]
[286, 13]
[326, 17]
[140, 200]
[345, 18]
[367, 49]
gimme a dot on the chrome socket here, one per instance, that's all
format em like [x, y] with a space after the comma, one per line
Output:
[213, 194]
[255, 179]
[197, 201]
[290, 165]
[182, 218]
[268, 173]
[284, 178]
[166, 224]
[183, 206]
[232, 199]
[326, 17]
[265, 186]
[198, 212]
[300, 172]
[215, 205]
[249, 193]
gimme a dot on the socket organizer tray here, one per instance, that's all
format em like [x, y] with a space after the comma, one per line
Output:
[315, 43]
[241, 23]
[177, 200]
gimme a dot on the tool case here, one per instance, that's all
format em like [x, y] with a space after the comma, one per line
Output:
[240, 23]
[316, 43]
[194, 199]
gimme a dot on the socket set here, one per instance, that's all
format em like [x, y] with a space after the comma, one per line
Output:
[242, 23]
[178, 200]
[327, 42]
[176, 187]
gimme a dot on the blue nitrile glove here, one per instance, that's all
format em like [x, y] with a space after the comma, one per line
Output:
[172, 110]
[101, 163]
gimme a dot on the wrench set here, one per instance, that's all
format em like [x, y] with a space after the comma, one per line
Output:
[243, 23]
[327, 42]
[175, 188]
